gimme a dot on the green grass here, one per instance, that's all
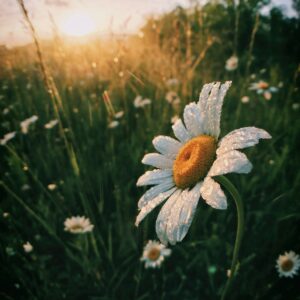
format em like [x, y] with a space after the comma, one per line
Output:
[96, 168]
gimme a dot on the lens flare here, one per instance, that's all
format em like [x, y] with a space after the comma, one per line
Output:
[77, 25]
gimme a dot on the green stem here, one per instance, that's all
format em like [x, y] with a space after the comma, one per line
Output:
[240, 228]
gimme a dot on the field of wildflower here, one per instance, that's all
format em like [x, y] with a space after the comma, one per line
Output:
[77, 119]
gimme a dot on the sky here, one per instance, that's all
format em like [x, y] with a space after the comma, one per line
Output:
[101, 16]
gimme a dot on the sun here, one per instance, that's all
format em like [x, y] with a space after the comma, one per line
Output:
[78, 24]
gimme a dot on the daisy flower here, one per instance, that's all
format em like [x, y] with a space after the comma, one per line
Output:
[154, 254]
[185, 167]
[288, 264]
[232, 63]
[172, 82]
[262, 87]
[51, 124]
[172, 97]
[52, 186]
[113, 124]
[245, 99]
[27, 247]
[6, 110]
[25, 124]
[295, 106]
[119, 114]
[25, 187]
[140, 102]
[7, 137]
[78, 225]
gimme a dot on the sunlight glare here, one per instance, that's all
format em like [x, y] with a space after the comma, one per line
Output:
[77, 25]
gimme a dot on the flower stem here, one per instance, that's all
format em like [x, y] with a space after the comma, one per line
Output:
[239, 232]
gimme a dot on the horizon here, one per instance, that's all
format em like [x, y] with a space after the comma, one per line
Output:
[99, 18]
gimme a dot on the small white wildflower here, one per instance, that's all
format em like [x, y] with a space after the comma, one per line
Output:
[172, 96]
[75, 110]
[121, 73]
[259, 86]
[116, 60]
[232, 63]
[27, 247]
[5, 215]
[174, 119]
[245, 99]
[271, 162]
[28, 86]
[267, 95]
[6, 111]
[25, 187]
[172, 82]
[262, 71]
[295, 106]
[51, 124]
[113, 124]
[78, 225]
[119, 114]
[25, 124]
[7, 137]
[176, 102]
[228, 273]
[263, 88]
[146, 101]
[288, 264]
[280, 84]
[140, 102]
[154, 254]
[52, 186]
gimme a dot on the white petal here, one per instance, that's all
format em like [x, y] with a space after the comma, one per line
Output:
[152, 204]
[218, 108]
[213, 195]
[241, 138]
[210, 104]
[192, 119]
[230, 162]
[167, 146]
[154, 177]
[207, 96]
[164, 215]
[180, 131]
[182, 214]
[155, 191]
[158, 161]
[202, 103]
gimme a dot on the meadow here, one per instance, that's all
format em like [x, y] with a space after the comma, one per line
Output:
[88, 161]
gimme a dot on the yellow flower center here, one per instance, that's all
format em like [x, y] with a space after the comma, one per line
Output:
[154, 254]
[76, 227]
[194, 160]
[287, 265]
[263, 85]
